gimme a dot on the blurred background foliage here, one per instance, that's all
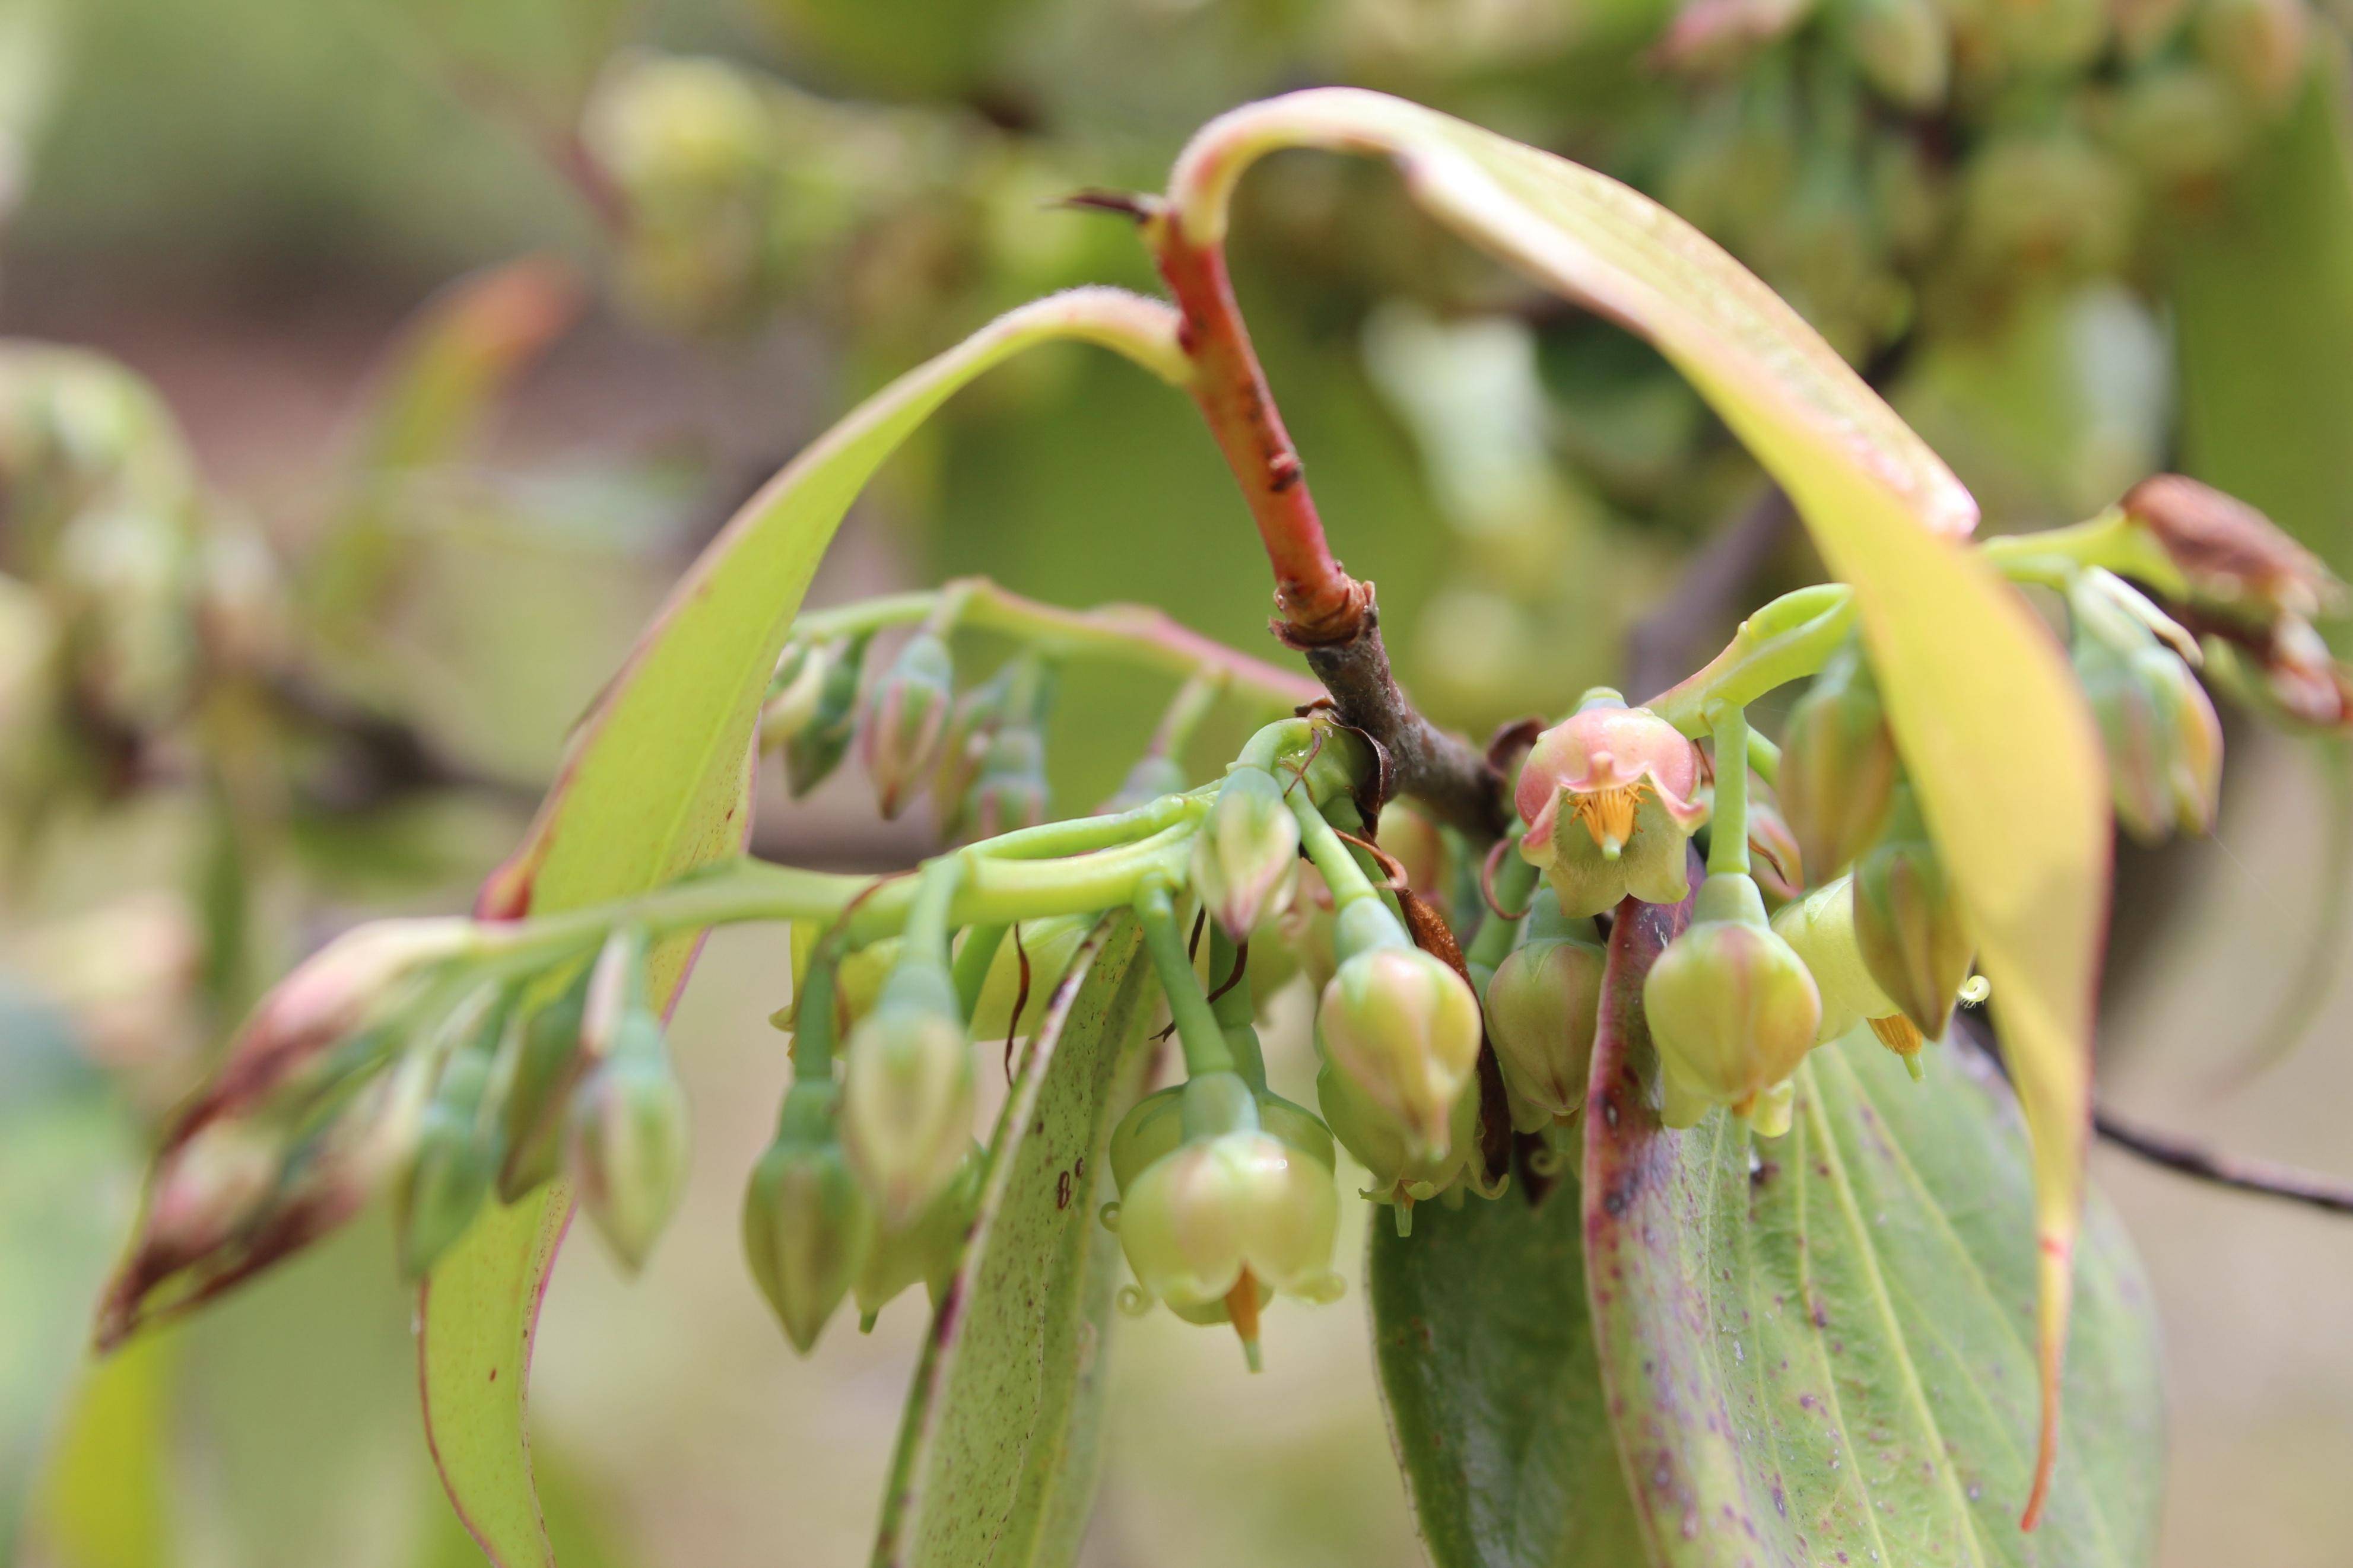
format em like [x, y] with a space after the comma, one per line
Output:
[321, 515]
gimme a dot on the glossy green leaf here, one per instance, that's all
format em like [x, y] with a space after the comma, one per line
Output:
[1821, 1346]
[1999, 742]
[656, 782]
[1487, 1361]
[998, 1451]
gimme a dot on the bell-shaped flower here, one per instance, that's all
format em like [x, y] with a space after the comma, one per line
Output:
[1217, 1218]
[1908, 923]
[1544, 1005]
[1403, 1173]
[1405, 1028]
[908, 1088]
[1819, 928]
[1609, 797]
[1731, 1007]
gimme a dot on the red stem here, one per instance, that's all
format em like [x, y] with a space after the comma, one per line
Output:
[1321, 604]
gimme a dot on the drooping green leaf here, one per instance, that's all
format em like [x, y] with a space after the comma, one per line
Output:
[656, 782]
[998, 1451]
[1822, 1345]
[104, 1497]
[1486, 1358]
[1997, 741]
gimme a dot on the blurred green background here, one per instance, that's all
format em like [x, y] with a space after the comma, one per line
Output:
[414, 512]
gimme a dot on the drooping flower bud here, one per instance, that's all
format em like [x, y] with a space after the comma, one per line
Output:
[928, 1250]
[907, 1094]
[627, 1140]
[1609, 797]
[2163, 741]
[1245, 846]
[458, 1143]
[2233, 558]
[1155, 1125]
[1774, 857]
[1544, 1005]
[1218, 1218]
[1819, 928]
[549, 1068]
[1403, 1173]
[905, 718]
[1838, 765]
[1419, 846]
[1404, 1028]
[326, 1001]
[1908, 923]
[1011, 790]
[794, 692]
[817, 748]
[1731, 1008]
[807, 1225]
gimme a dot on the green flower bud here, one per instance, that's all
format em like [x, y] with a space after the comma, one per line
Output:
[807, 1226]
[1246, 846]
[2050, 202]
[1011, 792]
[626, 1149]
[906, 720]
[1838, 765]
[1403, 1173]
[2163, 741]
[1731, 1008]
[794, 693]
[1908, 923]
[459, 1146]
[927, 1250]
[2261, 46]
[1609, 797]
[1219, 1217]
[907, 1094]
[1820, 929]
[817, 748]
[550, 1066]
[1405, 1028]
[1904, 48]
[1542, 1007]
[2181, 124]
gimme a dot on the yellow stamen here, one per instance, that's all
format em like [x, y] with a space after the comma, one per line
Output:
[1902, 1035]
[1241, 1306]
[1608, 814]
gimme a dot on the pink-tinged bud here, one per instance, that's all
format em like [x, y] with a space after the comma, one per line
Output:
[325, 1001]
[1732, 1009]
[1011, 792]
[2299, 673]
[208, 1187]
[1404, 1028]
[1217, 1219]
[2233, 558]
[905, 720]
[2163, 741]
[908, 1088]
[807, 1226]
[928, 1250]
[1774, 857]
[1611, 796]
[1246, 846]
[626, 1151]
[1838, 767]
[1543, 1006]
[1908, 923]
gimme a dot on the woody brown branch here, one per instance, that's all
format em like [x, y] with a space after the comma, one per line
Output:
[1328, 616]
